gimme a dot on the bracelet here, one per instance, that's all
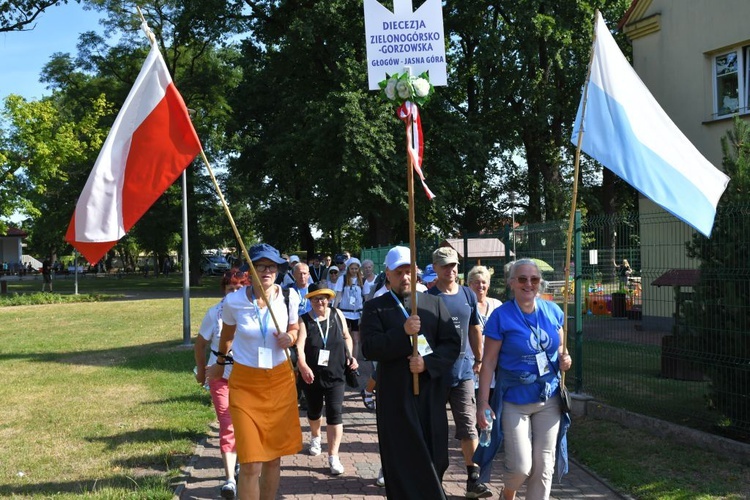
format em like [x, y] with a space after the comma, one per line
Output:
[477, 360]
[219, 354]
[227, 362]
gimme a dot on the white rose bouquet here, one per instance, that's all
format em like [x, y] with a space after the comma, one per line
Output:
[399, 88]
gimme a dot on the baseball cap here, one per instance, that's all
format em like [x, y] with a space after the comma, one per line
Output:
[339, 258]
[444, 256]
[429, 277]
[397, 257]
[293, 258]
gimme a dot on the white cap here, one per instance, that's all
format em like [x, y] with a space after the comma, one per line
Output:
[397, 257]
[294, 258]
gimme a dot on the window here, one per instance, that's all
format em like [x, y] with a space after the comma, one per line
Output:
[732, 82]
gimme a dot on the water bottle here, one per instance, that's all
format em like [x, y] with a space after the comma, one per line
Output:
[485, 435]
[205, 384]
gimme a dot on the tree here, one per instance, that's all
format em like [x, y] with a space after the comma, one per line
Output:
[317, 150]
[192, 37]
[312, 136]
[719, 312]
[50, 148]
[19, 15]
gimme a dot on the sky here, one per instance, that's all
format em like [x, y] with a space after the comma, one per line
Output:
[24, 53]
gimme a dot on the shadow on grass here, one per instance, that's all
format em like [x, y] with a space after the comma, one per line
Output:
[168, 356]
[144, 436]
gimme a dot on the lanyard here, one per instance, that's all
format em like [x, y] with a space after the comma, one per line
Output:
[302, 299]
[482, 317]
[324, 336]
[400, 305]
[534, 330]
[262, 321]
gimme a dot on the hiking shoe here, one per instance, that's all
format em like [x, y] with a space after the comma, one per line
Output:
[381, 479]
[475, 489]
[335, 463]
[229, 489]
[314, 448]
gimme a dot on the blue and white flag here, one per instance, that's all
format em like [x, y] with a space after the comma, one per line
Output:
[627, 131]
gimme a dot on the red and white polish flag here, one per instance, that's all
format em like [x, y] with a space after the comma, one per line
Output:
[150, 144]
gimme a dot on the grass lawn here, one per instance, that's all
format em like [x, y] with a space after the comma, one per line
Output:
[650, 468]
[98, 398]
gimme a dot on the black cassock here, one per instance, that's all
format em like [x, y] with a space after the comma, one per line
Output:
[412, 430]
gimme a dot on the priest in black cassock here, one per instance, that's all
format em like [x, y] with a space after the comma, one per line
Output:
[412, 430]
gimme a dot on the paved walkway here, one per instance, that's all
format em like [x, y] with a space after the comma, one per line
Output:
[306, 477]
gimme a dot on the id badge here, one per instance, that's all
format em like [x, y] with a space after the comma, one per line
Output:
[423, 346]
[542, 363]
[265, 358]
[323, 357]
[352, 300]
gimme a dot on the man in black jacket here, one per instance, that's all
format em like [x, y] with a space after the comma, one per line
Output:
[412, 430]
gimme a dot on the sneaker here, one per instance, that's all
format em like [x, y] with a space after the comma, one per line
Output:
[229, 489]
[315, 448]
[236, 469]
[367, 399]
[381, 479]
[335, 463]
[475, 489]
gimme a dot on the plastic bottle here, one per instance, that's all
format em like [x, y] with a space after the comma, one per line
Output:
[205, 384]
[485, 435]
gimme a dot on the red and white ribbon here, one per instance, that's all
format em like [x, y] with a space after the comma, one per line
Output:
[408, 112]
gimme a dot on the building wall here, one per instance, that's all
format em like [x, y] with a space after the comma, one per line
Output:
[10, 249]
[674, 42]
[675, 62]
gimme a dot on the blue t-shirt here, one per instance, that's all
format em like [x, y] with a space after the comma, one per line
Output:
[463, 309]
[523, 336]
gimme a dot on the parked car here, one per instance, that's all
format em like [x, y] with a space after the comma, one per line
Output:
[214, 264]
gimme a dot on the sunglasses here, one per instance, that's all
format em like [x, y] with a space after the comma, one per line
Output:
[333, 272]
[525, 279]
[235, 274]
[261, 268]
[319, 298]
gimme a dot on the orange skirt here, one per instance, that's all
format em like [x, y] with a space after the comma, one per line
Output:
[263, 404]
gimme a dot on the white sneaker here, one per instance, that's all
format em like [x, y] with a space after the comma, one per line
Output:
[335, 463]
[381, 479]
[315, 448]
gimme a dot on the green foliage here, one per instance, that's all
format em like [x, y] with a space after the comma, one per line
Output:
[19, 15]
[50, 145]
[720, 312]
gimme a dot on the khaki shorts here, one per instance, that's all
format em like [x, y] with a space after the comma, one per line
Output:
[464, 408]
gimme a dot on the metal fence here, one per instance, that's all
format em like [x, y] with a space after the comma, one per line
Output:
[670, 340]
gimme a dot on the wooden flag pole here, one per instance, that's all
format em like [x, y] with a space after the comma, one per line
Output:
[573, 203]
[412, 245]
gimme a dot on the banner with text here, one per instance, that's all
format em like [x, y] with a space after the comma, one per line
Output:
[405, 38]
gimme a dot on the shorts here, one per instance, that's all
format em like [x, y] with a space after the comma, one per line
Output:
[464, 408]
[334, 400]
[353, 325]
